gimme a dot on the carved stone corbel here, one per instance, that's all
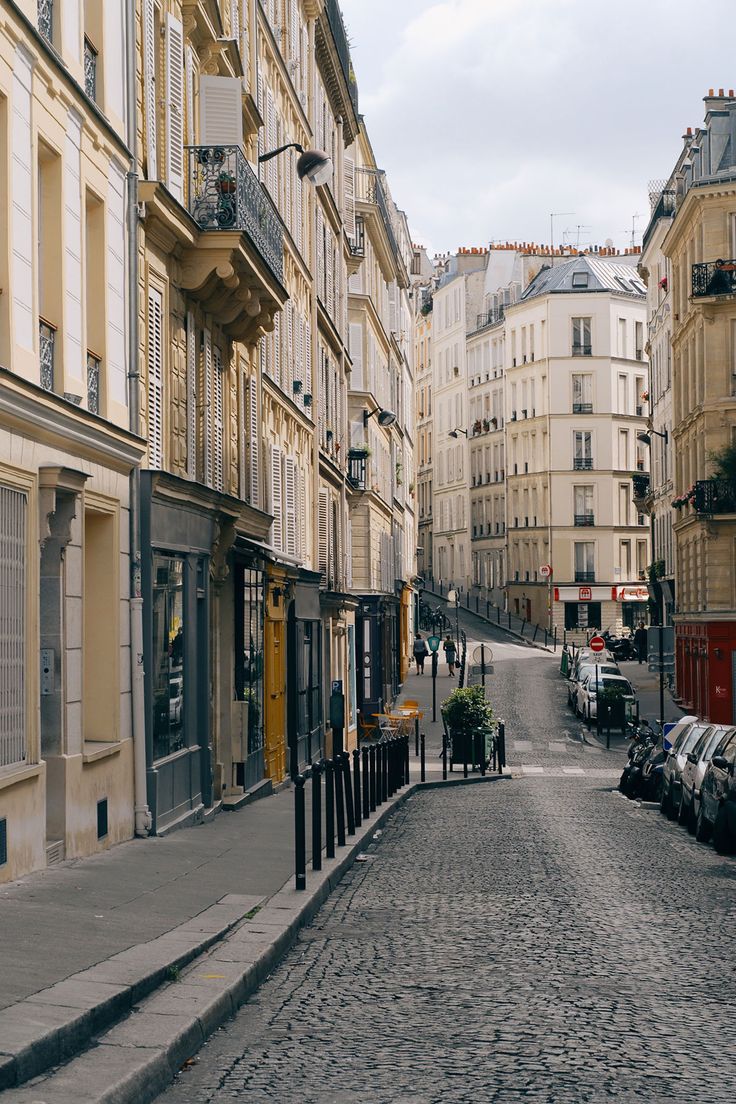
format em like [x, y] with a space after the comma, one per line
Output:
[223, 541]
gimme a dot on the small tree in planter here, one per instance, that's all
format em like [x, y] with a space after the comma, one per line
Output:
[466, 712]
[611, 708]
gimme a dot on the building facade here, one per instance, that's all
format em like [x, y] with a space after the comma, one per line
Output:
[66, 451]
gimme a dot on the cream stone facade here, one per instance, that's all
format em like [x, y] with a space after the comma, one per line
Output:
[66, 453]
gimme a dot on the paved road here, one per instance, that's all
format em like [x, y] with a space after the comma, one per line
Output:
[537, 939]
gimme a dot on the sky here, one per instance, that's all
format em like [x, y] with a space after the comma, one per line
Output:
[489, 115]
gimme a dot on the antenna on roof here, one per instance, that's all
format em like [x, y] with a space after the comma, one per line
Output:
[552, 217]
[633, 229]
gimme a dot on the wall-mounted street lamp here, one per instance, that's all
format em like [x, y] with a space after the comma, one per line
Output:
[385, 417]
[313, 165]
[646, 438]
[456, 432]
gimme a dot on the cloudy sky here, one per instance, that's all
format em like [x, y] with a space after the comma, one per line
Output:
[488, 115]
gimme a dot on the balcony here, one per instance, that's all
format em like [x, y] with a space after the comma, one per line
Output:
[584, 519]
[582, 350]
[582, 408]
[225, 194]
[357, 468]
[715, 496]
[714, 278]
[46, 19]
[489, 318]
[370, 192]
[46, 344]
[93, 383]
[640, 484]
[582, 463]
[334, 18]
[584, 576]
[90, 69]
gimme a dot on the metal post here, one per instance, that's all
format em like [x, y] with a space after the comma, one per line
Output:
[501, 746]
[366, 785]
[435, 661]
[348, 789]
[384, 772]
[356, 788]
[329, 769]
[444, 755]
[416, 736]
[555, 637]
[372, 778]
[406, 760]
[316, 816]
[661, 677]
[339, 803]
[390, 767]
[300, 834]
[482, 738]
[422, 764]
[597, 702]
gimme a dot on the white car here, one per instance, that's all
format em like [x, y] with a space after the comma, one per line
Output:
[586, 656]
[585, 669]
[696, 764]
[587, 695]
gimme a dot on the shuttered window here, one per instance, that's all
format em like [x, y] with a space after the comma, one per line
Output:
[13, 510]
[221, 111]
[205, 420]
[155, 379]
[323, 533]
[191, 397]
[149, 87]
[175, 107]
[218, 421]
[277, 498]
[349, 189]
[290, 505]
[254, 444]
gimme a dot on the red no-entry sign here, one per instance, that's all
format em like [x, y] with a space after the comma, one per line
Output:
[596, 643]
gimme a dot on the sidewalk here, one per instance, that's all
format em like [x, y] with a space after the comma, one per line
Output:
[505, 621]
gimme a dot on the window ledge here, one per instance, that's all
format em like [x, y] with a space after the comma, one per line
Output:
[10, 776]
[92, 751]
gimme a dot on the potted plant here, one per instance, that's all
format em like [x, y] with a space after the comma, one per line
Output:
[486, 424]
[226, 183]
[468, 715]
[494, 421]
[476, 426]
[358, 451]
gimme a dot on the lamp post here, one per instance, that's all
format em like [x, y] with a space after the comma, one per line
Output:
[646, 439]
[456, 432]
[314, 165]
[433, 643]
[454, 596]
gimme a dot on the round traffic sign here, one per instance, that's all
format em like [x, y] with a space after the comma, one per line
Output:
[596, 643]
[482, 654]
[433, 643]
[546, 571]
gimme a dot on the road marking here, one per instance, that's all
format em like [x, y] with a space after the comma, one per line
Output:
[557, 745]
[532, 770]
[573, 770]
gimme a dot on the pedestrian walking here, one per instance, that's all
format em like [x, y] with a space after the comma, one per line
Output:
[450, 654]
[640, 642]
[421, 651]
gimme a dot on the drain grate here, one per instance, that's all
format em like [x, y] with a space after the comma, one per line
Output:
[102, 818]
[3, 841]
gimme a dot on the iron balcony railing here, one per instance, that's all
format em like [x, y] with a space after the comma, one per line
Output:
[583, 463]
[584, 519]
[489, 318]
[714, 278]
[640, 484]
[715, 496]
[46, 341]
[369, 189]
[90, 69]
[585, 576]
[357, 469]
[46, 19]
[357, 245]
[582, 408]
[334, 18]
[225, 194]
[582, 350]
[93, 383]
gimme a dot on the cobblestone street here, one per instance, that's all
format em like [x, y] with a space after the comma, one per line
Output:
[535, 939]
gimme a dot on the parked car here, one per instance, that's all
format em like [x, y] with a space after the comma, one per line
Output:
[674, 764]
[729, 812]
[691, 779]
[716, 782]
[587, 695]
[586, 656]
[585, 669]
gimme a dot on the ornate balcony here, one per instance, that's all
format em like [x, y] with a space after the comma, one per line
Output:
[370, 195]
[225, 194]
[584, 519]
[583, 463]
[357, 469]
[714, 278]
[582, 408]
[585, 576]
[582, 350]
[46, 342]
[640, 485]
[90, 69]
[93, 383]
[715, 496]
[46, 19]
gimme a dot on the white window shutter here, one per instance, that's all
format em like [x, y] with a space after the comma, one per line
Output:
[349, 189]
[349, 563]
[290, 505]
[308, 358]
[276, 371]
[189, 69]
[277, 498]
[303, 510]
[218, 421]
[235, 19]
[320, 226]
[291, 374]
[175, 107]
[191, 396]
[155, 379]
[255, 445]
[220, 111]
[323, 534]
[206, 391]
[14, 579]
[149, 88]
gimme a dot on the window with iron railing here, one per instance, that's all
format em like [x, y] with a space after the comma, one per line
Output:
[46, 19]
[46, 347]
[93, 383]
[90, 69]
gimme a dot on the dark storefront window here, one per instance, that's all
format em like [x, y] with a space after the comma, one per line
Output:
[632, 613]
[249, 649]
[582, 615]
[168, 656]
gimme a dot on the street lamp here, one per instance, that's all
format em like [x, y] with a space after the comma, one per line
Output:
[385, 417]
[314, 165]
[646, 438]
[455, 432]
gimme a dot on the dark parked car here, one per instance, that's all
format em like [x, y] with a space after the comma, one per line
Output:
[716, 783]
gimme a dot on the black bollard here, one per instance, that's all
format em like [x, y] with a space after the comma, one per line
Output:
[348, 788]
[501, 738]
[422, 763]
[372, 777]
[316, 816]
[416, 737]
[329, 807]
[366, 785]
[384, 772]
[406, 760]
[444, 756]
[300, 834]
[356, 788]
[339, 802]
[377, 793]
[482, 749]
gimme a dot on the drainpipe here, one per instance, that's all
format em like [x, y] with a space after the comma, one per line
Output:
[143, 819]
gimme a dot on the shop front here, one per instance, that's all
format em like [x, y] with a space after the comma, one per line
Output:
[305, 671]
[705, 664]
[378, 646]
[587, 608]
[248, 720]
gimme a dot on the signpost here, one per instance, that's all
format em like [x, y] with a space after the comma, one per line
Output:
[483, 657]
[661, 657]
[596, 645]
[433, 643]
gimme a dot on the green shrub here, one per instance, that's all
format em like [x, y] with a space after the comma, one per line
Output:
[467, 709]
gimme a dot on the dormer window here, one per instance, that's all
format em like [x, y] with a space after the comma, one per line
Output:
[580, 279]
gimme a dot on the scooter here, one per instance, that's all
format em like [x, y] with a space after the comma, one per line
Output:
[643, 743]
[620, 647]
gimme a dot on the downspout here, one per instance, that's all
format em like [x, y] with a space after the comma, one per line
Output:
[143, 819]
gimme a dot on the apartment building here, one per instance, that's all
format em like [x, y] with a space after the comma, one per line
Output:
[699, 248]
[66, 450]
[424, 430]
[575, 379]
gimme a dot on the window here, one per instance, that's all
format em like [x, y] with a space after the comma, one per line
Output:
[623, 398]
[249, 583]
[49, 251]
[583, 505]
[625, 559]
[154, 336]
[582, 393]
[622, 338]
[639, 340]
[584, 554]
[13, 658]
[581, 345]
[580, 279]
[624, 496]
[582, 450]
[582, 615]
[168, 674]
[623, 450]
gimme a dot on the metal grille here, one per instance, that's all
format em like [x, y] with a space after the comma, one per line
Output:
[46, 19]
[584, 519]
[714, 278]
[102, 826]
[13, 506]
[3, 841]
[46, 339]
[93, 383]
[90, 69]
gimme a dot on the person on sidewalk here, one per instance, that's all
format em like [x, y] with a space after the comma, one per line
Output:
[421, 651]
[450, 654]
[640, 642]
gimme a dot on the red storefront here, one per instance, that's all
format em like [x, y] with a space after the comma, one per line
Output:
[705, 659]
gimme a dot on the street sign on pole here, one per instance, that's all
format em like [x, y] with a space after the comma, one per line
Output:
[596, 643]
[433, 643]
[546, 571]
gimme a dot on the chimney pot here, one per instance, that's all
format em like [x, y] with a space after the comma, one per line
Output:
[710, 92]
[720, 91]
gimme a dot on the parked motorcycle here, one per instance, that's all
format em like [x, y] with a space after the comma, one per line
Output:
[620, 647]
[643, 743]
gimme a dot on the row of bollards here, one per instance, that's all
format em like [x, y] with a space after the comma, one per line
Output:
[355, 785]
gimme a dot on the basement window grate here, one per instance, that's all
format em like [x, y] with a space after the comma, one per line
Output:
[3, 842]
[102, 818]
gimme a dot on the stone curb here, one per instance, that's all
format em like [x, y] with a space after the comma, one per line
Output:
[137, 1059]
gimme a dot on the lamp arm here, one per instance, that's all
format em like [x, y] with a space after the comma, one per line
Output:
[274, 153]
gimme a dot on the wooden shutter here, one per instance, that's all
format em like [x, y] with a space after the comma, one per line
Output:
[255, 444]
[189, 70]
[155, 378]
[320, 228]
[206, 392]
[290, 505]
[349, 189]
[308, 360]
[175, 107]
[13, 658]
[218, 421]
[277, 498]
[220, 111]
[191, 396]
[276, 370]
[303, 510]
[323, 532]
[291, 374]
[235, 21]
[149, 88]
